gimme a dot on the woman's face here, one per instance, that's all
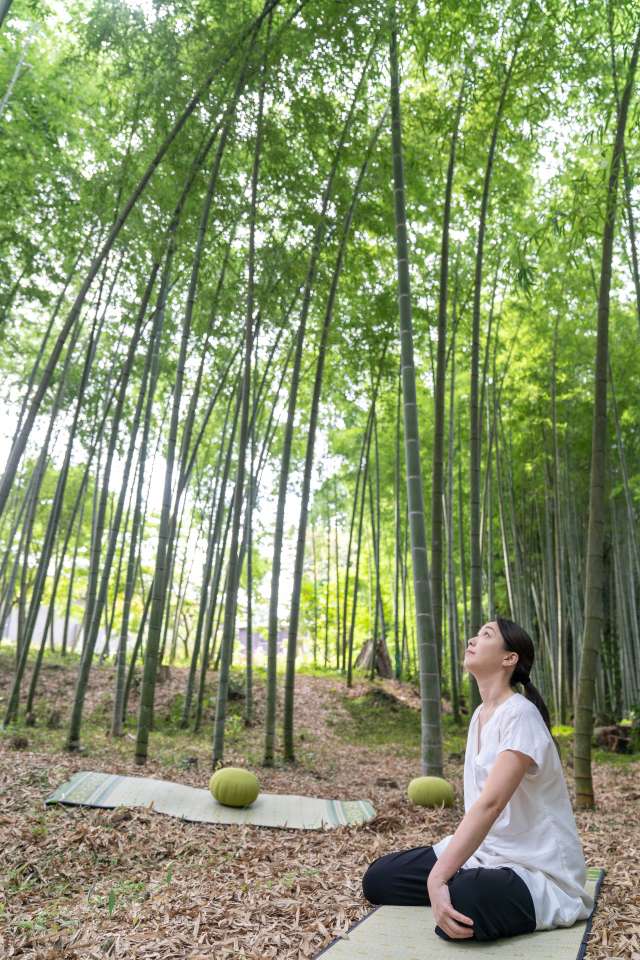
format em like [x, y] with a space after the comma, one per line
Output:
[485, 653]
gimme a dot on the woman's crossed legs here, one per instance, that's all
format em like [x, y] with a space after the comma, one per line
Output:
[497, 899]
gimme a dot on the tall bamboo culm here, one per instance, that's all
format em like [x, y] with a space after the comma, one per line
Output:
[595, 572]
[431, 736]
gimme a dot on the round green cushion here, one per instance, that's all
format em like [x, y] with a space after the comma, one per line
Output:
[234, 787]
[430, 792]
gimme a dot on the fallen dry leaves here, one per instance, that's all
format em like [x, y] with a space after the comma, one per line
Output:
[81, 883]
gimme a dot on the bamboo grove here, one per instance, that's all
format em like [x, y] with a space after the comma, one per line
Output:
[322, 319]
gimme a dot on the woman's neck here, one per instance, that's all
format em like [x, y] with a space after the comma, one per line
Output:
[493, 693]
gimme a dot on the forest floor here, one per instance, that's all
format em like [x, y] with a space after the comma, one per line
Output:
[84, 883]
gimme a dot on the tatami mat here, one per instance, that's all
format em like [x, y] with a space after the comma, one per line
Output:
[91, 789]
[408, 933]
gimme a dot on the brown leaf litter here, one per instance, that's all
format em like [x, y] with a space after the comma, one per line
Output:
[80, 883]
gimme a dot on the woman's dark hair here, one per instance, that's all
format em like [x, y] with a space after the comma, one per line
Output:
[518, 640]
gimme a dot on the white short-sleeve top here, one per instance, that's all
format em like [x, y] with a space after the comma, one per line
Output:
[536, 832]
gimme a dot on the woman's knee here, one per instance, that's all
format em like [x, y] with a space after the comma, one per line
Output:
[486, 898]
[373, 881]
[470, 896]
[400, 877]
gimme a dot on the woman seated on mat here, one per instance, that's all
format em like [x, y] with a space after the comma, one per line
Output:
[515, 863]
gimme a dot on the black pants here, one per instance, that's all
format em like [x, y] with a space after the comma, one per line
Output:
[497, 900]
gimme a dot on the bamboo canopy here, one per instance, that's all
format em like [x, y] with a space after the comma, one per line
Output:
[320, 328]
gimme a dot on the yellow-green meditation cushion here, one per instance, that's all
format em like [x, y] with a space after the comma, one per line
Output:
[234, 787]
[430, 792]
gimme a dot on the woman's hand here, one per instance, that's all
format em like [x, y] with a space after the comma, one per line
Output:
[450, 920]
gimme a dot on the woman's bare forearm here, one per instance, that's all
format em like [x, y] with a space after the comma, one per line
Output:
[473, 828]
